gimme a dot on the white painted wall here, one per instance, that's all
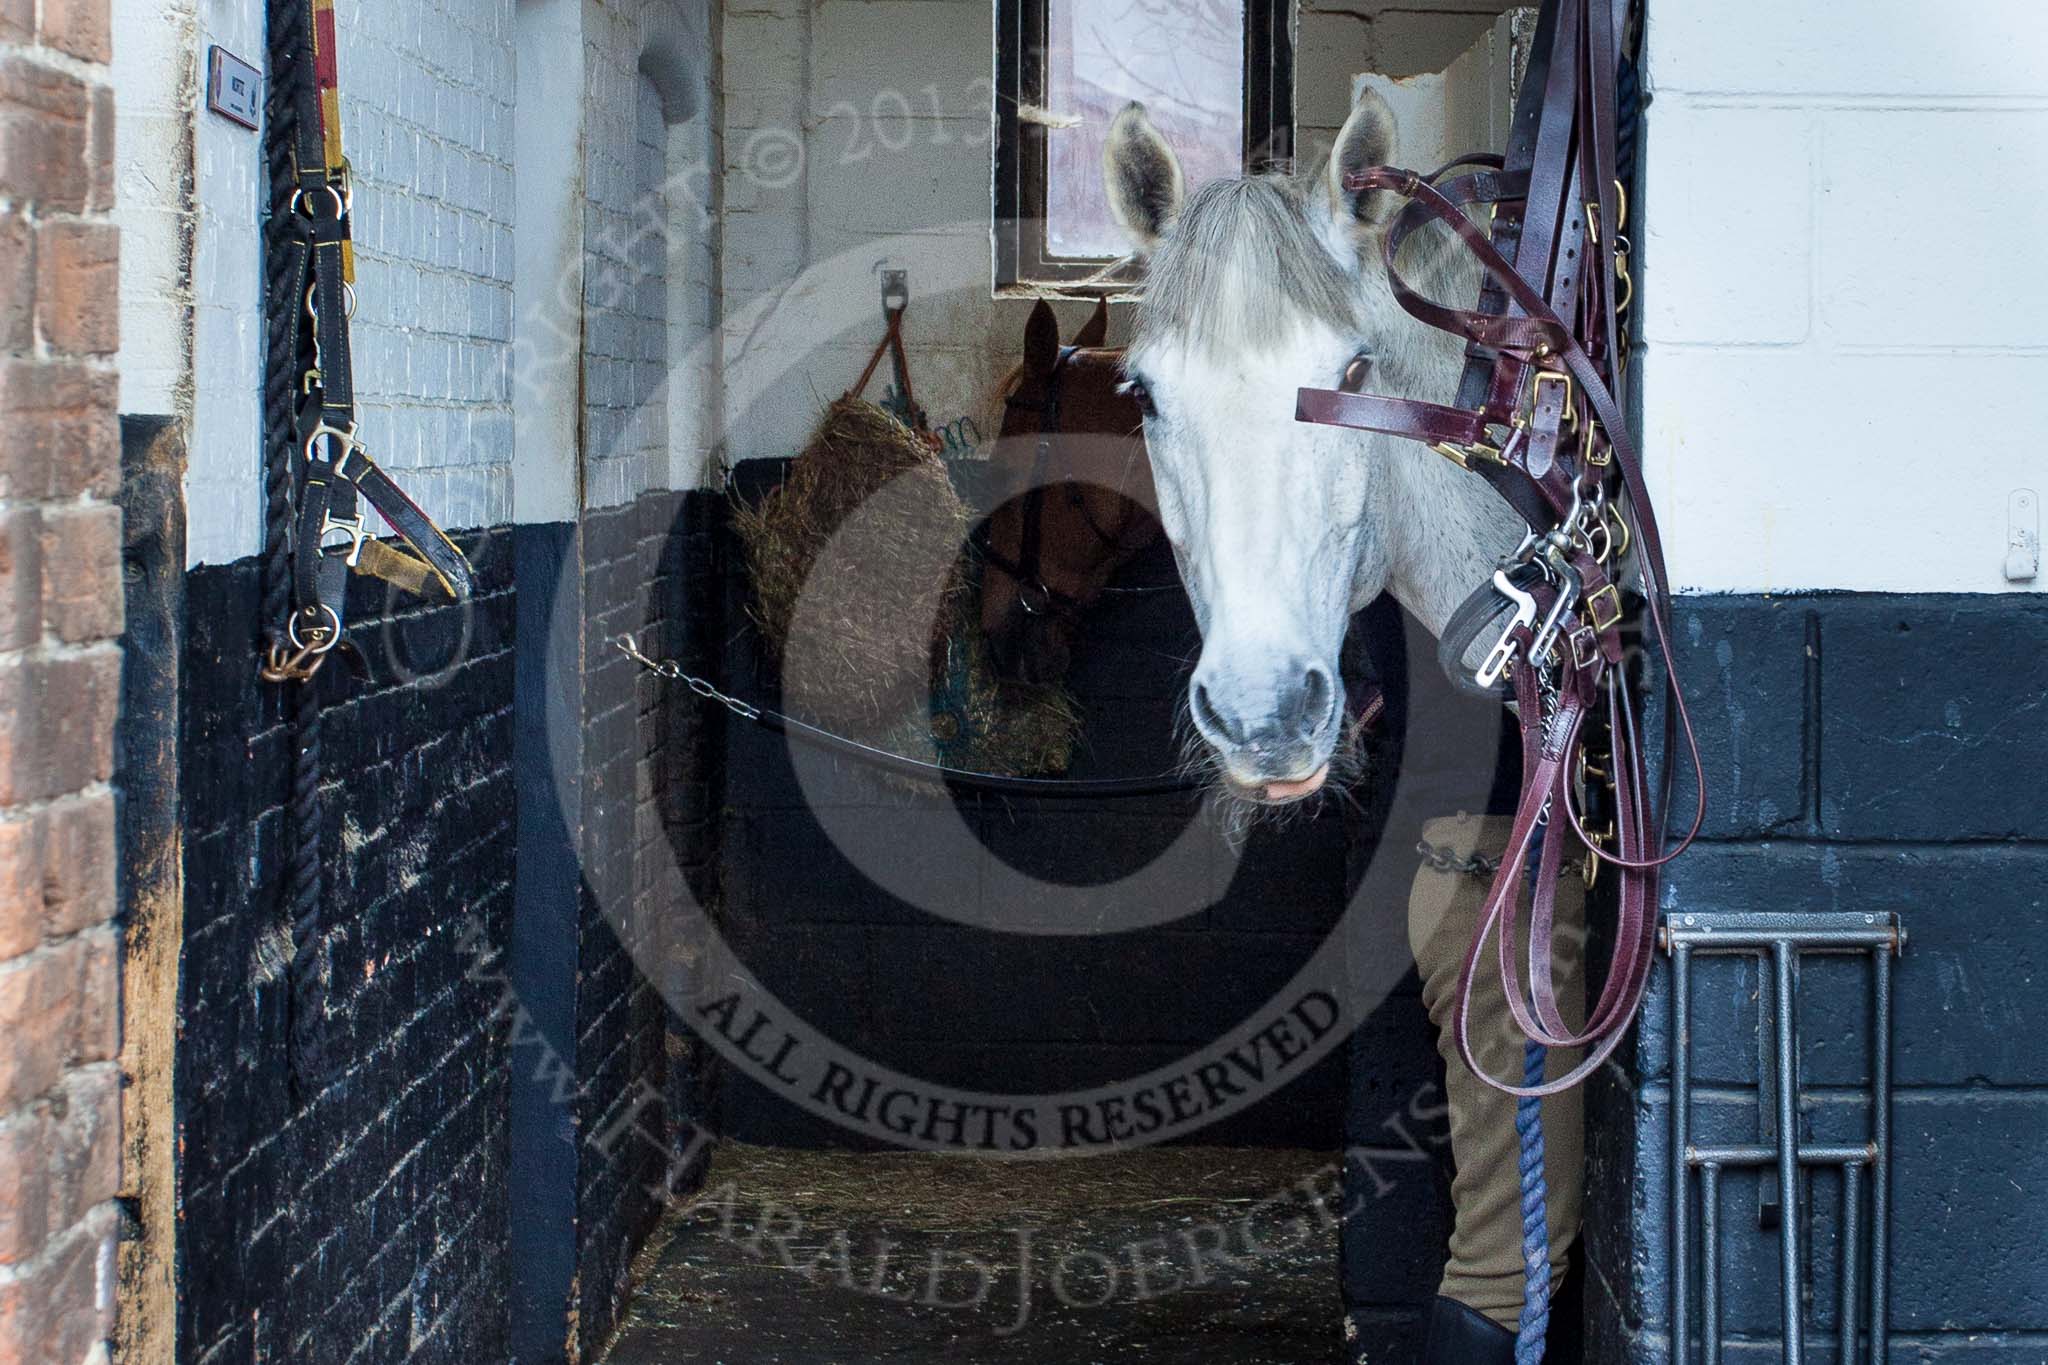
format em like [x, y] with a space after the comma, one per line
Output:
[615, 380]
[427, 95]
[1405, 44]
[1847, 333]
[426, 116]
[547, 241]
[857, 137]
[443, 226]
[190, 261]
[649, 380]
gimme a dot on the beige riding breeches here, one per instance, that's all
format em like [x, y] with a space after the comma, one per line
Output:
[1485, 1270]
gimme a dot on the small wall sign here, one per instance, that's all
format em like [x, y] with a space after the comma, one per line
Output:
[234, 89]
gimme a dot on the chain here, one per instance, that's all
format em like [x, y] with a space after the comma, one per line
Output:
[1450, 860]
[670, 669]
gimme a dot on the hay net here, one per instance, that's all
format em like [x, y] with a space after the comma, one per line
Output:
[863, 593]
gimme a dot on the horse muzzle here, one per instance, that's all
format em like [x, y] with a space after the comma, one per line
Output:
[1273, 743]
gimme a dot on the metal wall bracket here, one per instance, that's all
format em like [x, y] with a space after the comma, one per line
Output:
[895, 291]
[1779, 941]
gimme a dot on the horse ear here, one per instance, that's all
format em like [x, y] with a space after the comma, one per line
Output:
[1094, 333]
[1042, 340]
[1367, 140]
[1146, 186]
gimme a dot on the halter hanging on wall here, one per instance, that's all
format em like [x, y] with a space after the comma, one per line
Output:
[318, 471]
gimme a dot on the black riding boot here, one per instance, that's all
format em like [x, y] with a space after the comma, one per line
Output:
[1465, 1336]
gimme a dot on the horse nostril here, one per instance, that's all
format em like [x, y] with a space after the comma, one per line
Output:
[1318, 696]
[1308, 710]
[1209, 719]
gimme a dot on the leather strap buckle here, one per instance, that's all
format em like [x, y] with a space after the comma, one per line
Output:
[1592, 454]
[1570, 414]
[1464, 456]
[350, 448]
[1603, 608]
[355, 528]
[1585, 651]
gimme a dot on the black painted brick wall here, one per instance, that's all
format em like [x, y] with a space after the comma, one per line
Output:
[1878, 754]
[366, 1223]
[973, 1008]
[647, 837]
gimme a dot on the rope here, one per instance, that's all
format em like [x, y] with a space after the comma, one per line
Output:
[282, 361]
[1534, 1332]
[284, 364]
[1535, 1325]
[308, 1001]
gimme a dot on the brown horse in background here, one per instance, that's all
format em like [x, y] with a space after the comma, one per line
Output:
[1073, 490]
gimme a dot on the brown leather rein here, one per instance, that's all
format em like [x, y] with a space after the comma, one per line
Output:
[1539, 418]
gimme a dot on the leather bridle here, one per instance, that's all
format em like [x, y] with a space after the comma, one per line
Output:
[1539, 416]
[1035, 595]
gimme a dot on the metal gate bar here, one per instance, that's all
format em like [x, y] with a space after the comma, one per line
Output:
[1781, 940]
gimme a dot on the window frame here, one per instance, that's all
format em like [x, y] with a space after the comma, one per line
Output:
[1024, 268]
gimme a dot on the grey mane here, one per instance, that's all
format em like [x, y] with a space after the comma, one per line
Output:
[1243, 265]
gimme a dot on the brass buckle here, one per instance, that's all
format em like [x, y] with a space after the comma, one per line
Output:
[1597, 841]
[1587, 455]
[1463, 455]
[1623, 537]
[1611, 595]
[1585, 652]
[1570, 415]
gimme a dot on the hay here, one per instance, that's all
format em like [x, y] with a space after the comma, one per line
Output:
[961, 1191]
[862, 595]
[862, 630]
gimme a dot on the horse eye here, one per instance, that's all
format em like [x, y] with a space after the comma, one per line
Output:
[1356, 373]
[1138, 390]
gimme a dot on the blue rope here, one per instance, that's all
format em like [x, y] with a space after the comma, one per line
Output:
[1535, 1325]
[1535, 1328]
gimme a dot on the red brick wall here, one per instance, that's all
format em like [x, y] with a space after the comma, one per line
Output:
[60, 661]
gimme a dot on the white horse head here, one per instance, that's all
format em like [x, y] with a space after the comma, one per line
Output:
[1256, 288]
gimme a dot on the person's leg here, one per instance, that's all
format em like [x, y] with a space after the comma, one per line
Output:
[1485, 1271]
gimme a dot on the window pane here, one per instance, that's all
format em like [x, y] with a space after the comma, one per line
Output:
[1184, 59]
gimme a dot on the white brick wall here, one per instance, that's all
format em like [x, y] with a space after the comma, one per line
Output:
[1843, 337]
[427, 95]
[648, 235]
[223, 481]
[430, 124]
[857, 139]
[426, 115]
